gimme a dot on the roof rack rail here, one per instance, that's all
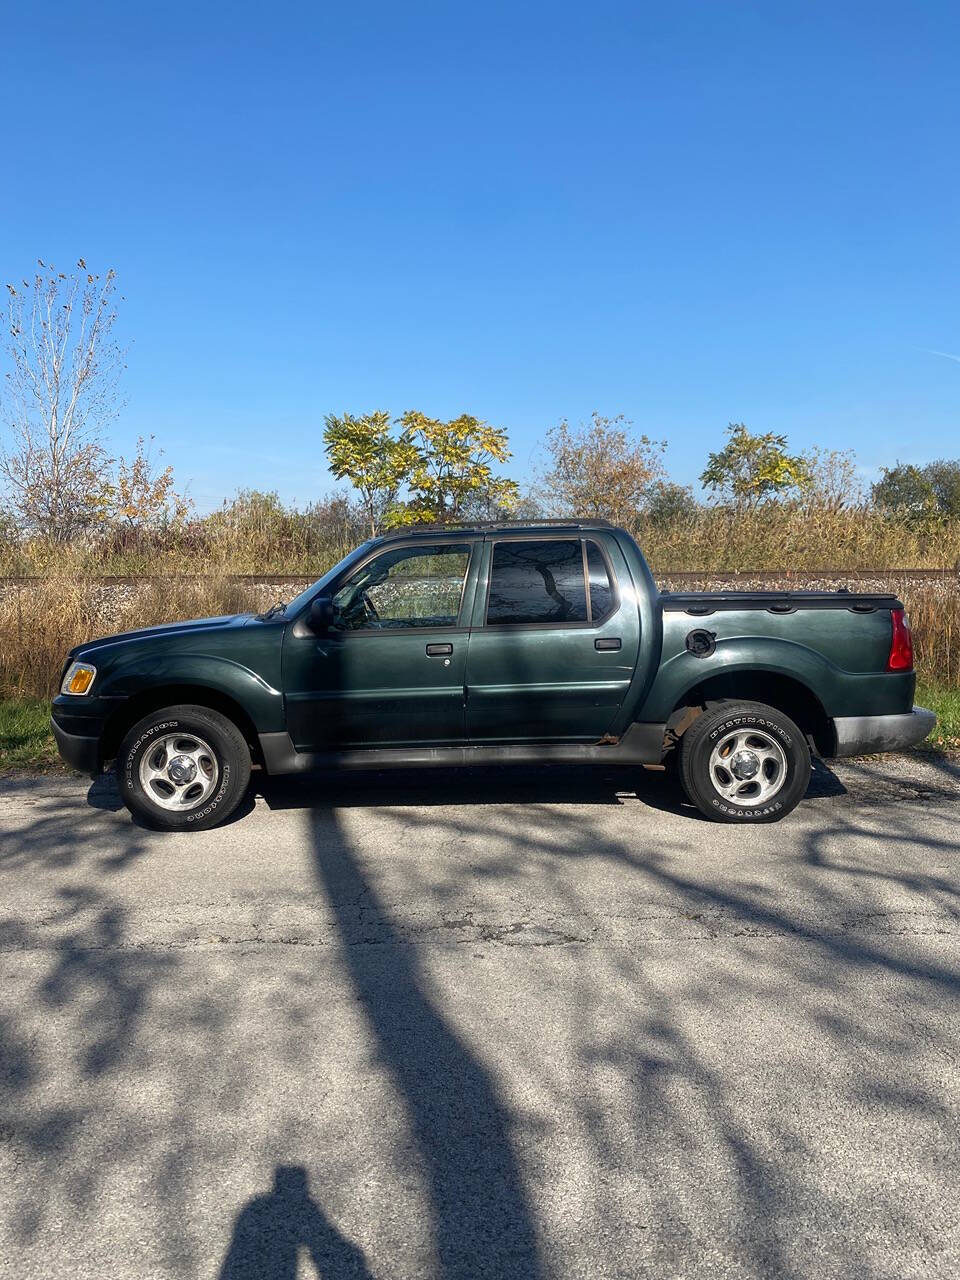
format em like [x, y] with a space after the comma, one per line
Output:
[484, 525]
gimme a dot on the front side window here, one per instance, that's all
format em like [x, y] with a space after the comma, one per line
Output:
[404, 587]
[537, 582]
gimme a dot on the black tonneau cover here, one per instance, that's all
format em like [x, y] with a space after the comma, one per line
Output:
[703, 602]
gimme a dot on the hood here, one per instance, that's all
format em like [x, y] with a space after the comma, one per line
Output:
[166, 629]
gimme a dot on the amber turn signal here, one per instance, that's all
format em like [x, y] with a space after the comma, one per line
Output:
[79, 678]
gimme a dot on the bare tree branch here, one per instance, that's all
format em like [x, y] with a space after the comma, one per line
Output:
[58, 395]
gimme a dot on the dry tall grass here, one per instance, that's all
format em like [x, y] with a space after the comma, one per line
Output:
[252, 538]
[935, 620]
[807, 539]
[255, 534]
[39, 622]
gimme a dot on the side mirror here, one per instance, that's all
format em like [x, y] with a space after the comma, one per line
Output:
[321, 614]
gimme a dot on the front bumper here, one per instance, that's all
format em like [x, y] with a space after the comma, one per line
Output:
[864, 735]
[77, 750]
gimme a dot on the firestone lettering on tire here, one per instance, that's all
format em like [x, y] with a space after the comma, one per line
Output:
[128, 763]
[228, 745]
[202, 813]
[747, 813]
[757, 720]
[724, 727]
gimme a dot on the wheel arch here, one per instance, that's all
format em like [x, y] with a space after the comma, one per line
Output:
[171, 695]
[782, 692]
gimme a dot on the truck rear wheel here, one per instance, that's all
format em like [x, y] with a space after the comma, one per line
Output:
[183, 768]
[744, 762]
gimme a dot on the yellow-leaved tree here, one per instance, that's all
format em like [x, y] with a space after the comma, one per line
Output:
[452, 468]
[444, 469]
[143, 494]
[750, 469]
[362, 449]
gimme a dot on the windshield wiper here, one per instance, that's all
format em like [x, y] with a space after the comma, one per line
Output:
[272, 612]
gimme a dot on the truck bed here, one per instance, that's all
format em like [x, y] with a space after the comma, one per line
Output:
[700, 603]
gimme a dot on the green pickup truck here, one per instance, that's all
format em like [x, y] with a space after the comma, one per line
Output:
[499, 644]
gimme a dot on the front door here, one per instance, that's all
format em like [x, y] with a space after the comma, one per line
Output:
[555, 641]
[390, 670]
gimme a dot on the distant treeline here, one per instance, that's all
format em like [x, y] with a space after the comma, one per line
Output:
[257, 533]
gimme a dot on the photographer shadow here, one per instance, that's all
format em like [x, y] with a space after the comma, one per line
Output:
[271, 1230]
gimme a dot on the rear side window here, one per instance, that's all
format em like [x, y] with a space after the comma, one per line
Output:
[602, 596]
[537, 582]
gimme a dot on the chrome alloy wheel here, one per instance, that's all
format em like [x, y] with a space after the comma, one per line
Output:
[179, 771]
[748, 767]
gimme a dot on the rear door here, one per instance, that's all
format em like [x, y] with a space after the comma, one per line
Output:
[554, 642]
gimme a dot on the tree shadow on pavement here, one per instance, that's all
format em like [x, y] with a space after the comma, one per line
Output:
[104, 793]
[479, 1214]
[690, 1151]
[499, 784]
[80, 1027]
[620, 1042]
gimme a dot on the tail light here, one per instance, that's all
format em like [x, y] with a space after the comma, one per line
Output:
[901, 643]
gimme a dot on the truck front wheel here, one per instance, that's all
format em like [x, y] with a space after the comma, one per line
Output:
[744, 762]
[183, 768]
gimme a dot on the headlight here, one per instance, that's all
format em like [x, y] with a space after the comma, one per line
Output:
[79, 678]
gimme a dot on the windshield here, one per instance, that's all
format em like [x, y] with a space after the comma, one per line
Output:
[303, 599]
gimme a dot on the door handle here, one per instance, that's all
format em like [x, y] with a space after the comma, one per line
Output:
[439, 650]
[606, 642]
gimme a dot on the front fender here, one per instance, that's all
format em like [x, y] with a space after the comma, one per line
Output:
[259, 699]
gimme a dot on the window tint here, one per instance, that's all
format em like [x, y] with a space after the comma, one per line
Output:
[537, 582]
[602, 598]
[404, 587]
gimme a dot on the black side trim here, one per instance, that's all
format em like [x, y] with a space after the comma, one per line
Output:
[641, 744]
[699, 603]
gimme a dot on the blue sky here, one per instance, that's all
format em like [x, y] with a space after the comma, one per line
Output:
[689, 213]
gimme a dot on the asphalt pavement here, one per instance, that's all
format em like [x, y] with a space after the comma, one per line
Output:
[547, 1023]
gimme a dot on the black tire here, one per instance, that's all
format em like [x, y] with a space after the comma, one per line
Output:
[702, 783]
[216, 792]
